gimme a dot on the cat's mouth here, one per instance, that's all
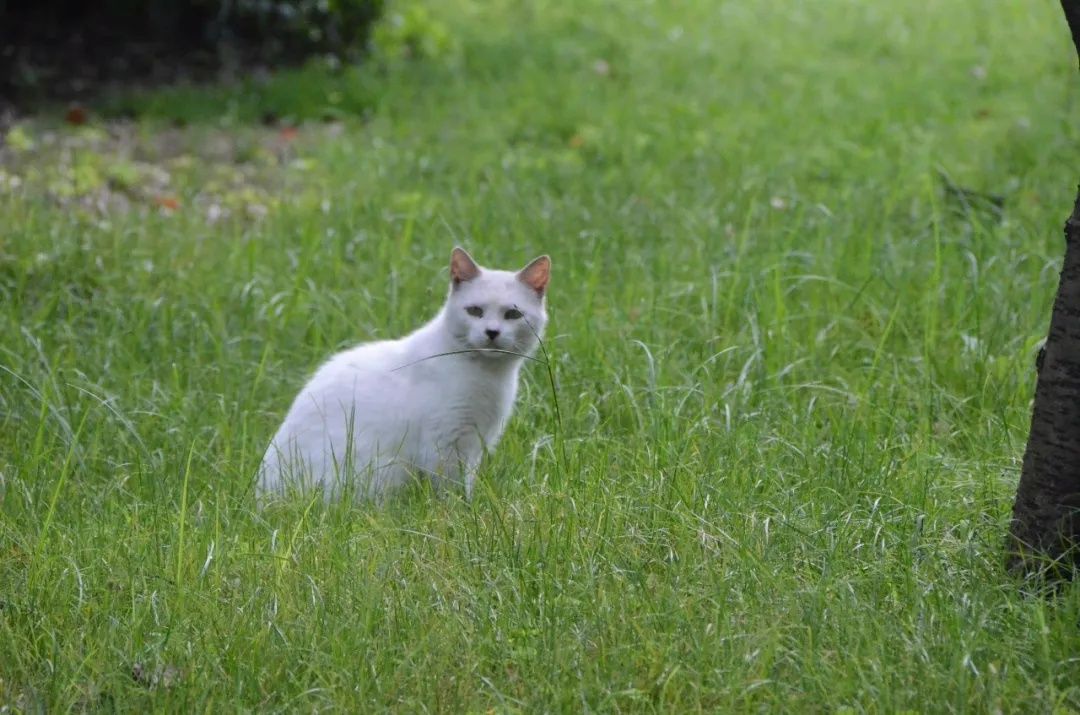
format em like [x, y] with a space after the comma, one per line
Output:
[493, 350]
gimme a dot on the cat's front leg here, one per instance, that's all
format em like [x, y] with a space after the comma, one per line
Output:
[454, 473]
[470, 463]
[470, 480]
[458, 465]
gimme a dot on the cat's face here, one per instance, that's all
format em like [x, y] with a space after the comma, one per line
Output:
[492, 311]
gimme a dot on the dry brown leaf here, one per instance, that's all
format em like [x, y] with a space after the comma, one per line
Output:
[168, 203]
[76, 115]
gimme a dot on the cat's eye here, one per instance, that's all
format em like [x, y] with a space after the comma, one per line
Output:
[513, 314]
[475, 311]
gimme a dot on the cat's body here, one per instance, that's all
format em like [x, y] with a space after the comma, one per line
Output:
[430, 403]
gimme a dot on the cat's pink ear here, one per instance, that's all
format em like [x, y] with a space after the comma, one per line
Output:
[536, 274]
[462, 267]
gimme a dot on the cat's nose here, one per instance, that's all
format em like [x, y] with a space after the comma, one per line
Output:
[492, 333]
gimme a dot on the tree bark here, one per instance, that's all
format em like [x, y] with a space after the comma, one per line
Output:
[1045, 534]
[1046, 514]
[1072, 16]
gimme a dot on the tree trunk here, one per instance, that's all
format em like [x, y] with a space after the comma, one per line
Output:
[1046, 514]
[1045, 534]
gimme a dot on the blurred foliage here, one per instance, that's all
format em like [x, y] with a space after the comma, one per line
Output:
[102, 172]
[291, 27]
[48, 44]
[409, 31]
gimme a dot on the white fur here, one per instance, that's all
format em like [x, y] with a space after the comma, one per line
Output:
[380, 413]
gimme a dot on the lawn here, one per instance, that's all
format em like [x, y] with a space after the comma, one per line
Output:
[803, 258]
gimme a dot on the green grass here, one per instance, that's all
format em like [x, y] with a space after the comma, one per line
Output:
[794, 371]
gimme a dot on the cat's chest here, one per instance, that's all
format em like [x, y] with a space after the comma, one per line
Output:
[454, 402]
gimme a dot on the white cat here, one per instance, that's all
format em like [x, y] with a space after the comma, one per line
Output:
[428, 404]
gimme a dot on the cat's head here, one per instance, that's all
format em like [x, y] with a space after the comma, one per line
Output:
[491, 311]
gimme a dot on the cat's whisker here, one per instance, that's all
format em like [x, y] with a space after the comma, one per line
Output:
[469, 350]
